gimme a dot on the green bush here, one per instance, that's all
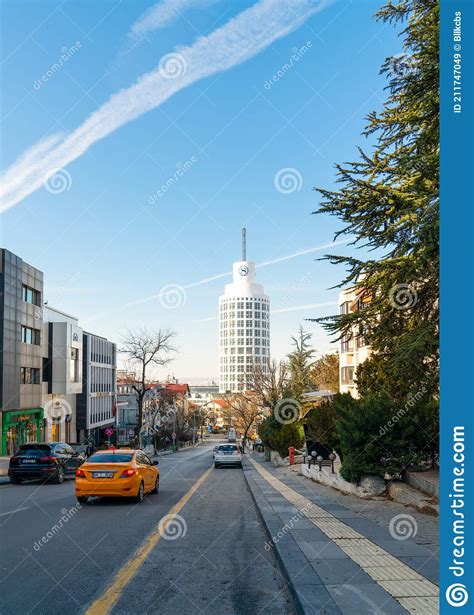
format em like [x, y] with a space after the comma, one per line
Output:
[278, 437]
[378, 435]
[321, 421]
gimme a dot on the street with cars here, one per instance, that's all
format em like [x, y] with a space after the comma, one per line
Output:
[62, 555]
[207, 529]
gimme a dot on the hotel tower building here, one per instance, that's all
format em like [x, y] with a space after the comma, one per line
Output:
[244, 326]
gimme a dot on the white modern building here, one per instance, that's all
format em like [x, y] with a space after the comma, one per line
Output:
[202, 395]
[96, 406]
[244, 326]
[62, 374]
[354, 349]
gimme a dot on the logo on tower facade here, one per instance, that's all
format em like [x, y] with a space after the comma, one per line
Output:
[243, 270]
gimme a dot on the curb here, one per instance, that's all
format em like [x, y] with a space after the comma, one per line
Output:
[289, 556]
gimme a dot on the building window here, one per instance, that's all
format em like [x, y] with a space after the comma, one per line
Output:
[347, 344]
[74, 365]
[344, 307]
[347, 375]
[30, 295]
[47, 370]
[30, 336]
[29, 375]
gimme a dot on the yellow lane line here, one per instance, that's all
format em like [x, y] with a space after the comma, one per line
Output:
[413, 591]
[111, 595]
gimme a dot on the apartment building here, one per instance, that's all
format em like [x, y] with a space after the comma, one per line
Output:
[127, 406]
[353, 348]
[21, 352]
[97, 404]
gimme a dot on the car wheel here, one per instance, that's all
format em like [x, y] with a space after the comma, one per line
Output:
[58, 478]
[140, 495]
[216, 465]
[156, 488]
[82, 499]
[240, 466]
[14, 480]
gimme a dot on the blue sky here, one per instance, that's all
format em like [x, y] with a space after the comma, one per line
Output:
[106, 237]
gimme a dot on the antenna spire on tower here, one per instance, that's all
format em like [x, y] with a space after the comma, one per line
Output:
[244, 243]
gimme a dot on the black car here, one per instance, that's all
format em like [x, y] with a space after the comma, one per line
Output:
[51, 461]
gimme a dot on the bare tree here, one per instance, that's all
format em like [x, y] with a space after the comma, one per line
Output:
[269, 385]
[145, 350]
[245, 411]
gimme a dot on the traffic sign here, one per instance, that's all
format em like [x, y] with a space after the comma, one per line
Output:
[173, 435]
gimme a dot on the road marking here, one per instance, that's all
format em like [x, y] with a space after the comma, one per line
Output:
[407, 587]
[12, 512]
[104, 604]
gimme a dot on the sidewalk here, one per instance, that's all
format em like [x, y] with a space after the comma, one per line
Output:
[4, 462]
[335, 561]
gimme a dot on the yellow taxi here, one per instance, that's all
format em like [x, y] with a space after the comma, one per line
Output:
[117, 473]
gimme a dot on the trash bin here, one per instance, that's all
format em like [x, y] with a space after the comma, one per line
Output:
[267, 454]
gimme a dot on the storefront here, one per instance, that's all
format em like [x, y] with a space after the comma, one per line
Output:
[20, 427]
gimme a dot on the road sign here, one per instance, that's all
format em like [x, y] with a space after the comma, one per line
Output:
[109, 431]
[173, 435]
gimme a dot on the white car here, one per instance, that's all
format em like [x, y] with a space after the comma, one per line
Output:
[227, 455]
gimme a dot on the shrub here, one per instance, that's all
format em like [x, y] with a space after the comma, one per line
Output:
[321, 421]
[363, 448]
[278, 437]
[378, 435]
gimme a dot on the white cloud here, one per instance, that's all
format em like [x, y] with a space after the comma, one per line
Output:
[241, 38]
[162, 14]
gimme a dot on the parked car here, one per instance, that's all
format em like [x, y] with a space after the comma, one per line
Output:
[52, 461]
[117, 473]
[227, 455]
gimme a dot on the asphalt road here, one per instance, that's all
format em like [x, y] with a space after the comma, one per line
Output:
[210, 559]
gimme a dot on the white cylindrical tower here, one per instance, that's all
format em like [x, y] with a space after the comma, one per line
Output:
[244, 326]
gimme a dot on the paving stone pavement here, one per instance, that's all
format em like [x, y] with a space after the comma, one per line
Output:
[335, 560]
